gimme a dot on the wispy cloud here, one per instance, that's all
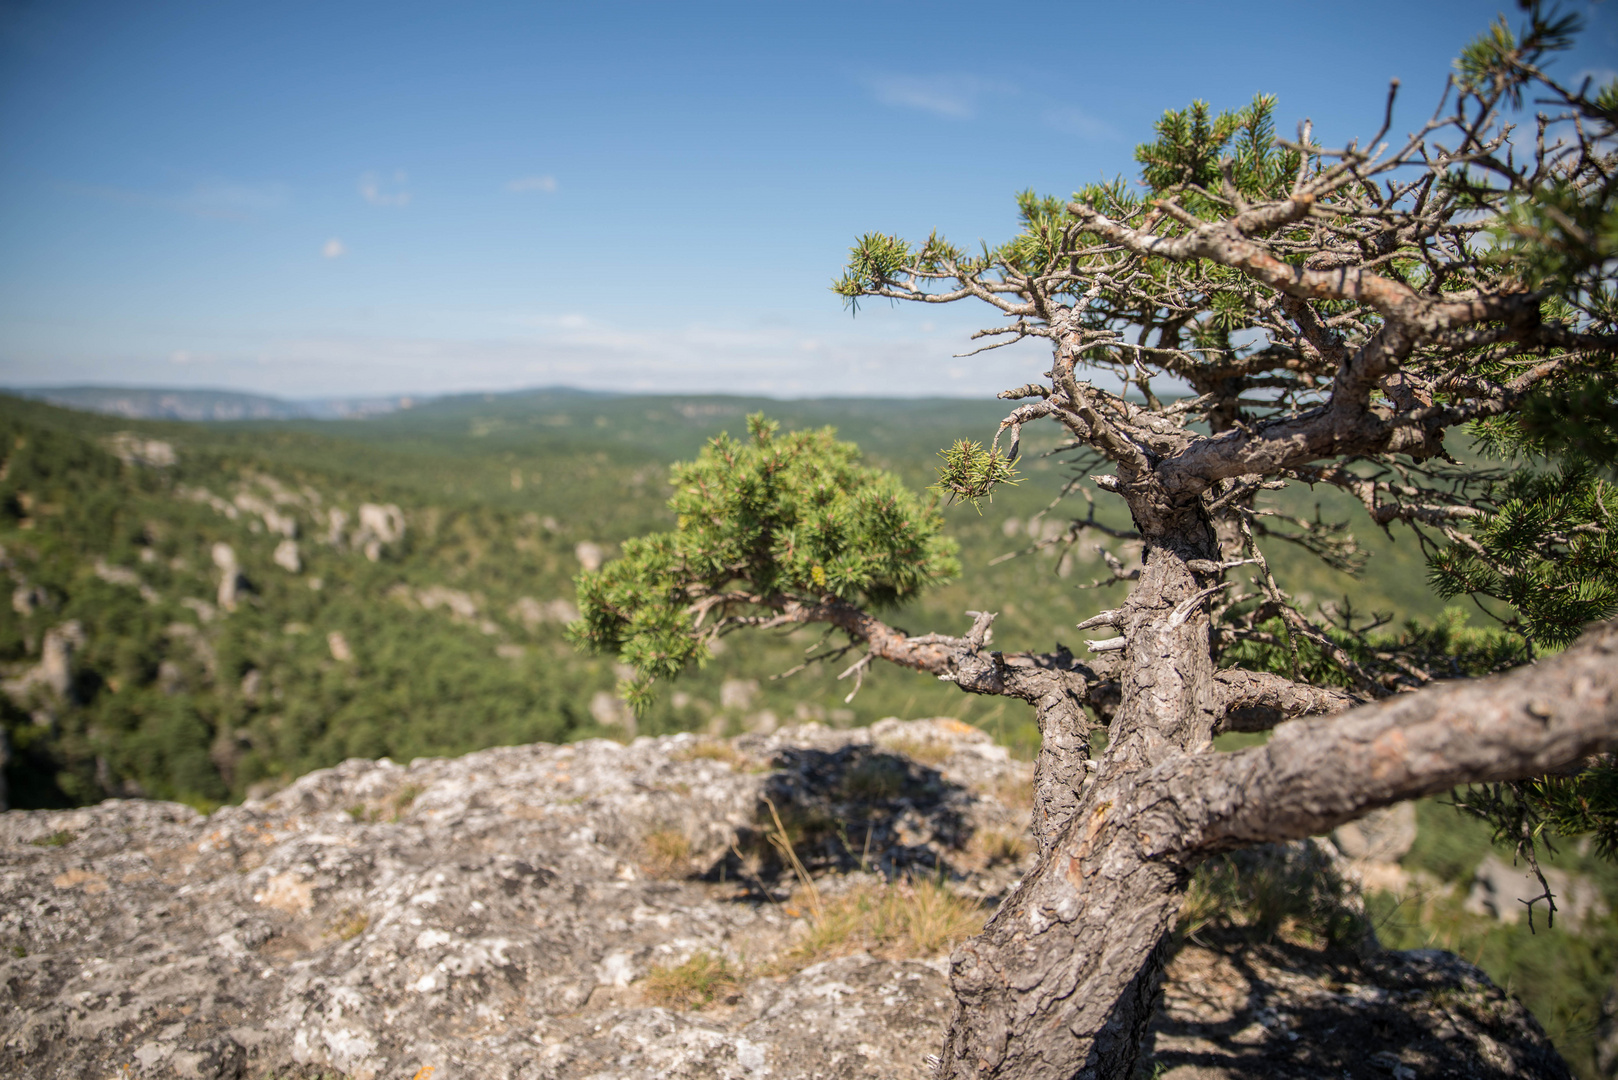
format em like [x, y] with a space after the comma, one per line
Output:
[1071, 120]
[955, 97]
[380, 191]
[184, 357]
[1598, 77]
[333, 249]
[234, 200]
[546, 183]
[225, 200]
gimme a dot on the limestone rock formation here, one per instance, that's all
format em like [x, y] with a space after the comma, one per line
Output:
[379, 526]
[54, 674]
[590, 554]
[231, 581]
[1384, 835]
[287, 558]
[497, 915]
[135, 450]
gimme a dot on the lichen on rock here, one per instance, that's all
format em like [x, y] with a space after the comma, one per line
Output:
[497, 915]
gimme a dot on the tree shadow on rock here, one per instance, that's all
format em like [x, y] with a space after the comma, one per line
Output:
[855, 808]
[1276, 975]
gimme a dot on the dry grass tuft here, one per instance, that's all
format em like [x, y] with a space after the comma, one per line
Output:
[1015, 790]
[666, 853]
[403, 798]
[921, 751]
[700, 981]
[713, 750]
[898, 920]
[1000, 845]
[350, 925]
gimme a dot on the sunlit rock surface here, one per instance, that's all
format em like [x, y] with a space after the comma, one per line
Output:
[494, 916]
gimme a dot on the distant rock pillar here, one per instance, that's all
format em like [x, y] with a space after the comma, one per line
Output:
[56, 658]
[230, 576]
[286, 557]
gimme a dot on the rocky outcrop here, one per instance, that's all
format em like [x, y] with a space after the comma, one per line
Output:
[231, 580]
[380, 525]
[498, 915]
[287, 558]
[135, 450]
[54, 674]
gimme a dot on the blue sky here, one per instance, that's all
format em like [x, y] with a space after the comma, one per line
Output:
[364, 198]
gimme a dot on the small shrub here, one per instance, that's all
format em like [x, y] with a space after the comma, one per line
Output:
[1285, 892]
[60, 838]
[698, 982]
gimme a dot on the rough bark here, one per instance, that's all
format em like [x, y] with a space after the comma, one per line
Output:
[1060, 983]
[1063, 766]
[1530, 721]
[1062, 980]
[1259, 700]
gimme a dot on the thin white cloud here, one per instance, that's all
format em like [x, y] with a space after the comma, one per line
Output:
[378, 191]
[226, 200]
[954, 97]
[1599, 77]
[1071, 120]
[333, 249]
[234, 200]
[546, 183]
[184, 357]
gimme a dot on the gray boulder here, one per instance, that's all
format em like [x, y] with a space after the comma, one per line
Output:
[497, 916]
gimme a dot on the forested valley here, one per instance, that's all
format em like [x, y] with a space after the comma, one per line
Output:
[203, 612]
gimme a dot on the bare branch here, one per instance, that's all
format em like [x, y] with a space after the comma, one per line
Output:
[1532, 720]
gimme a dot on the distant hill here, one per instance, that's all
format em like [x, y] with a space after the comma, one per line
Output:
[158, 403]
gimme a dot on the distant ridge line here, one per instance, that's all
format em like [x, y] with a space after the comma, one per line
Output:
[203, 404]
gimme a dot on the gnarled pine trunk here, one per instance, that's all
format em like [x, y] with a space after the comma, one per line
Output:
[1061, 982]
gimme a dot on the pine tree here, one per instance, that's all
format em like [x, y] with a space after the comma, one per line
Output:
[1336, 315]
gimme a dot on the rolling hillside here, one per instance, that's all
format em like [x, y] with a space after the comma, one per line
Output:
[402, 583]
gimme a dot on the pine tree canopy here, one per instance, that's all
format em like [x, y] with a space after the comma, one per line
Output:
[777, 519]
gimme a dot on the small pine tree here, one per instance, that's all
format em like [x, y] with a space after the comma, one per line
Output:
[768, 530]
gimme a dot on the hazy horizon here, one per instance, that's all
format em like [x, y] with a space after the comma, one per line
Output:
[368, 200]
